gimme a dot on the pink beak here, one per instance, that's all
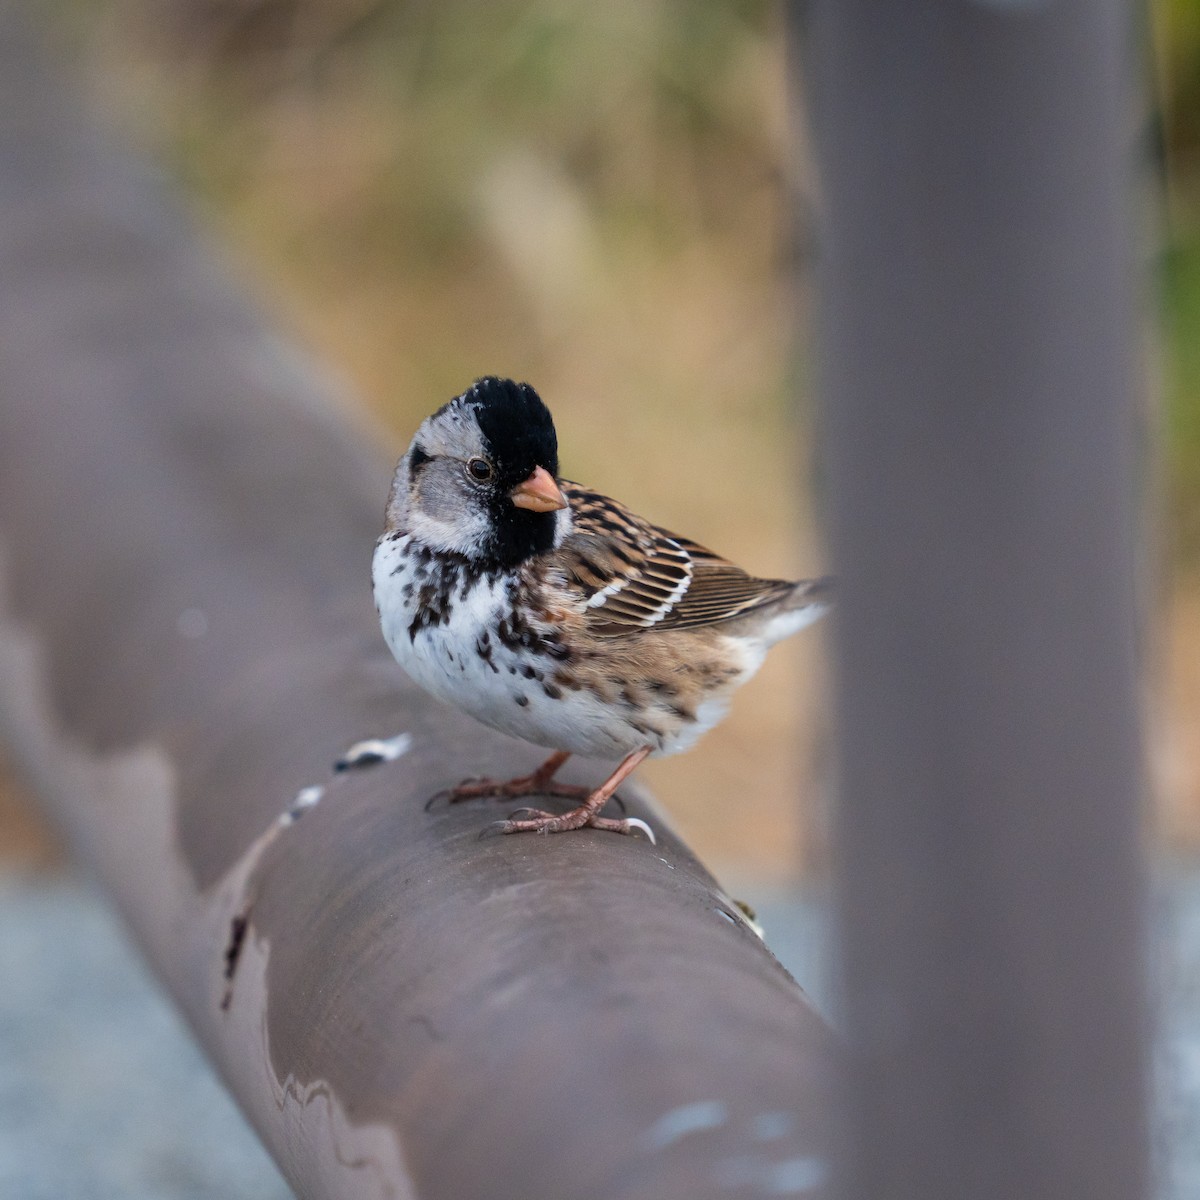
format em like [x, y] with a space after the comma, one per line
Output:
[538, 493]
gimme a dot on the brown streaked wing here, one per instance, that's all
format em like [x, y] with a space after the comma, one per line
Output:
[633, 576]
[721, 591]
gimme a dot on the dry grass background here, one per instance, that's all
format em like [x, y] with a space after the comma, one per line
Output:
[589, 197]
[597, 198]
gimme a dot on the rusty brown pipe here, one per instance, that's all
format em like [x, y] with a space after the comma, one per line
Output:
[187, 646]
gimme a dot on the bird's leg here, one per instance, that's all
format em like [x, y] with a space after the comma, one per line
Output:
[587, 812]
[536, 783]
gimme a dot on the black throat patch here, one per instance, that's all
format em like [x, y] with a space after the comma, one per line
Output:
[518, 433]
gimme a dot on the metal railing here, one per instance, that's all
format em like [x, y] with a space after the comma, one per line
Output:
[977, 284]
[187, 646]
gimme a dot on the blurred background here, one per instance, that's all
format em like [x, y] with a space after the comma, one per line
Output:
[611, 201]
[605, 200]
[594, 198]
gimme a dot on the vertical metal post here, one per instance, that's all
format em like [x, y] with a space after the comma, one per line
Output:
[977, 371]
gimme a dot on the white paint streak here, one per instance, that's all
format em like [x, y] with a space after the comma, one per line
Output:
[330, 1152]
[375, 750]
[791, 1177]
[685, 1120]
[794, 1176]
[306, 798]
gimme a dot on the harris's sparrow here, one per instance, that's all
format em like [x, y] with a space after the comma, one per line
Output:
[552, 613]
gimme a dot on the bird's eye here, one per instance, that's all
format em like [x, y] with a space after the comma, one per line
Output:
[479, 469]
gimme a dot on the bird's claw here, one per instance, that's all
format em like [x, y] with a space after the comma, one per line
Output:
[513, 825]
[626, 825]
[632, 823]
[475, 787]
[494, 829]
[535, 820]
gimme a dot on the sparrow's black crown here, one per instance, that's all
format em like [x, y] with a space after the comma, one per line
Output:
[516, 426]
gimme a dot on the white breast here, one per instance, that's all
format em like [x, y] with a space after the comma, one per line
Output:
[462, 659]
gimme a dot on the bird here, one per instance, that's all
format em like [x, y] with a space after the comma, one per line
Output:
[556, 615]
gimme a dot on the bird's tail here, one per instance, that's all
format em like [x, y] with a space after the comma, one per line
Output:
[808, 600]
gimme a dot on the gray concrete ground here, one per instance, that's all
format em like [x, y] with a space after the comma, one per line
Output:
[104, 1097]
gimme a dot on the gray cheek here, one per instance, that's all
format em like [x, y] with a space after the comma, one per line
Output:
[445, 495]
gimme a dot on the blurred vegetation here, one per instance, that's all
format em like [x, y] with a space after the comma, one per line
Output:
[598, 198]
[489, 179]
[1177, 58]
[593, 197]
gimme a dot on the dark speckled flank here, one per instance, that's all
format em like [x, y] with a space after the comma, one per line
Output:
[483, 647]
[438, 576]
[435, 577]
